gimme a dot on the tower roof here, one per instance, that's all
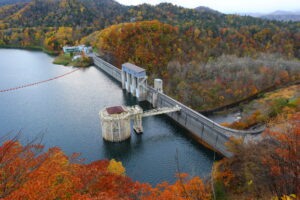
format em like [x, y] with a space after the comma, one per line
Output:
[115, 110]
[133, 67]
[134, 70]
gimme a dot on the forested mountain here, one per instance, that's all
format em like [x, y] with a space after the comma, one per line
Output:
[95, 15]
[102, 13]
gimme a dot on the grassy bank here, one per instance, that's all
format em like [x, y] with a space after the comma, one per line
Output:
[66, 60]
[32, 48]
[63, 60]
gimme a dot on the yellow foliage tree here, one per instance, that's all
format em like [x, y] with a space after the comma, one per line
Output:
[116, 167]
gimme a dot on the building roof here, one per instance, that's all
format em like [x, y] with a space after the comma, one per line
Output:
[134, 70]
[133, 67]
[115, 110]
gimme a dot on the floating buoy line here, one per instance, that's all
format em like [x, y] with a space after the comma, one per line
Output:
[40, 82]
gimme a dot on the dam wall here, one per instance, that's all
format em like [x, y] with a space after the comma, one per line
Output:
[108, 68]
[207, 131]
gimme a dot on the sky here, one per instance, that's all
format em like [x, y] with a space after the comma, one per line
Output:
[229, 6]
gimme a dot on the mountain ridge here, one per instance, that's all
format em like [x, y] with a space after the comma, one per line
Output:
[279, 15]
[204, 8]
[103, 13]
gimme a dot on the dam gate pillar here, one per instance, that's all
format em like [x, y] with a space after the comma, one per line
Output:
[134, 80]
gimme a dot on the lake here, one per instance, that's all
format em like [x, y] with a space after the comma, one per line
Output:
[66, 111]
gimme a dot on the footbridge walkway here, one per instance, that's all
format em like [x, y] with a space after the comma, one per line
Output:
[203, 129]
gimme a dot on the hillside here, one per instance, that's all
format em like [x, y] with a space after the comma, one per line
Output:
[51, 13]
[193, 65]
[9, 2]
[141, 43]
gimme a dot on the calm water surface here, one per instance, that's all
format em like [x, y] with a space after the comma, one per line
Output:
[66, 111]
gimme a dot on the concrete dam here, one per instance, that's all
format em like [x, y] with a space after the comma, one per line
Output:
[134, 81]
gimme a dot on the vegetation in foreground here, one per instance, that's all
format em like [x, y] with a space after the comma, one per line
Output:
[26, 172]
[266, 170]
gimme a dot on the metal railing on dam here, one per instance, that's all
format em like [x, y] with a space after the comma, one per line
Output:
[208, 131]
[107, 67]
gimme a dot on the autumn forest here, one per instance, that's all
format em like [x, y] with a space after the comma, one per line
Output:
[208, 60]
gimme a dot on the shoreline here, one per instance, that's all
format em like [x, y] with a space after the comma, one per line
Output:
[31, 48]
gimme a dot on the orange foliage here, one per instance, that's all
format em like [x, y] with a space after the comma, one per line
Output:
[284, 164]
[183, 189]
[147, 43]
[28, 173]
[239, 125]
[266, 168]
[226, 124]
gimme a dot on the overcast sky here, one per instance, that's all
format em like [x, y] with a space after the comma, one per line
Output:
[228, 6]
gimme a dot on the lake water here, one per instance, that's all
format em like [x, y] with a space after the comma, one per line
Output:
[66, 111]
